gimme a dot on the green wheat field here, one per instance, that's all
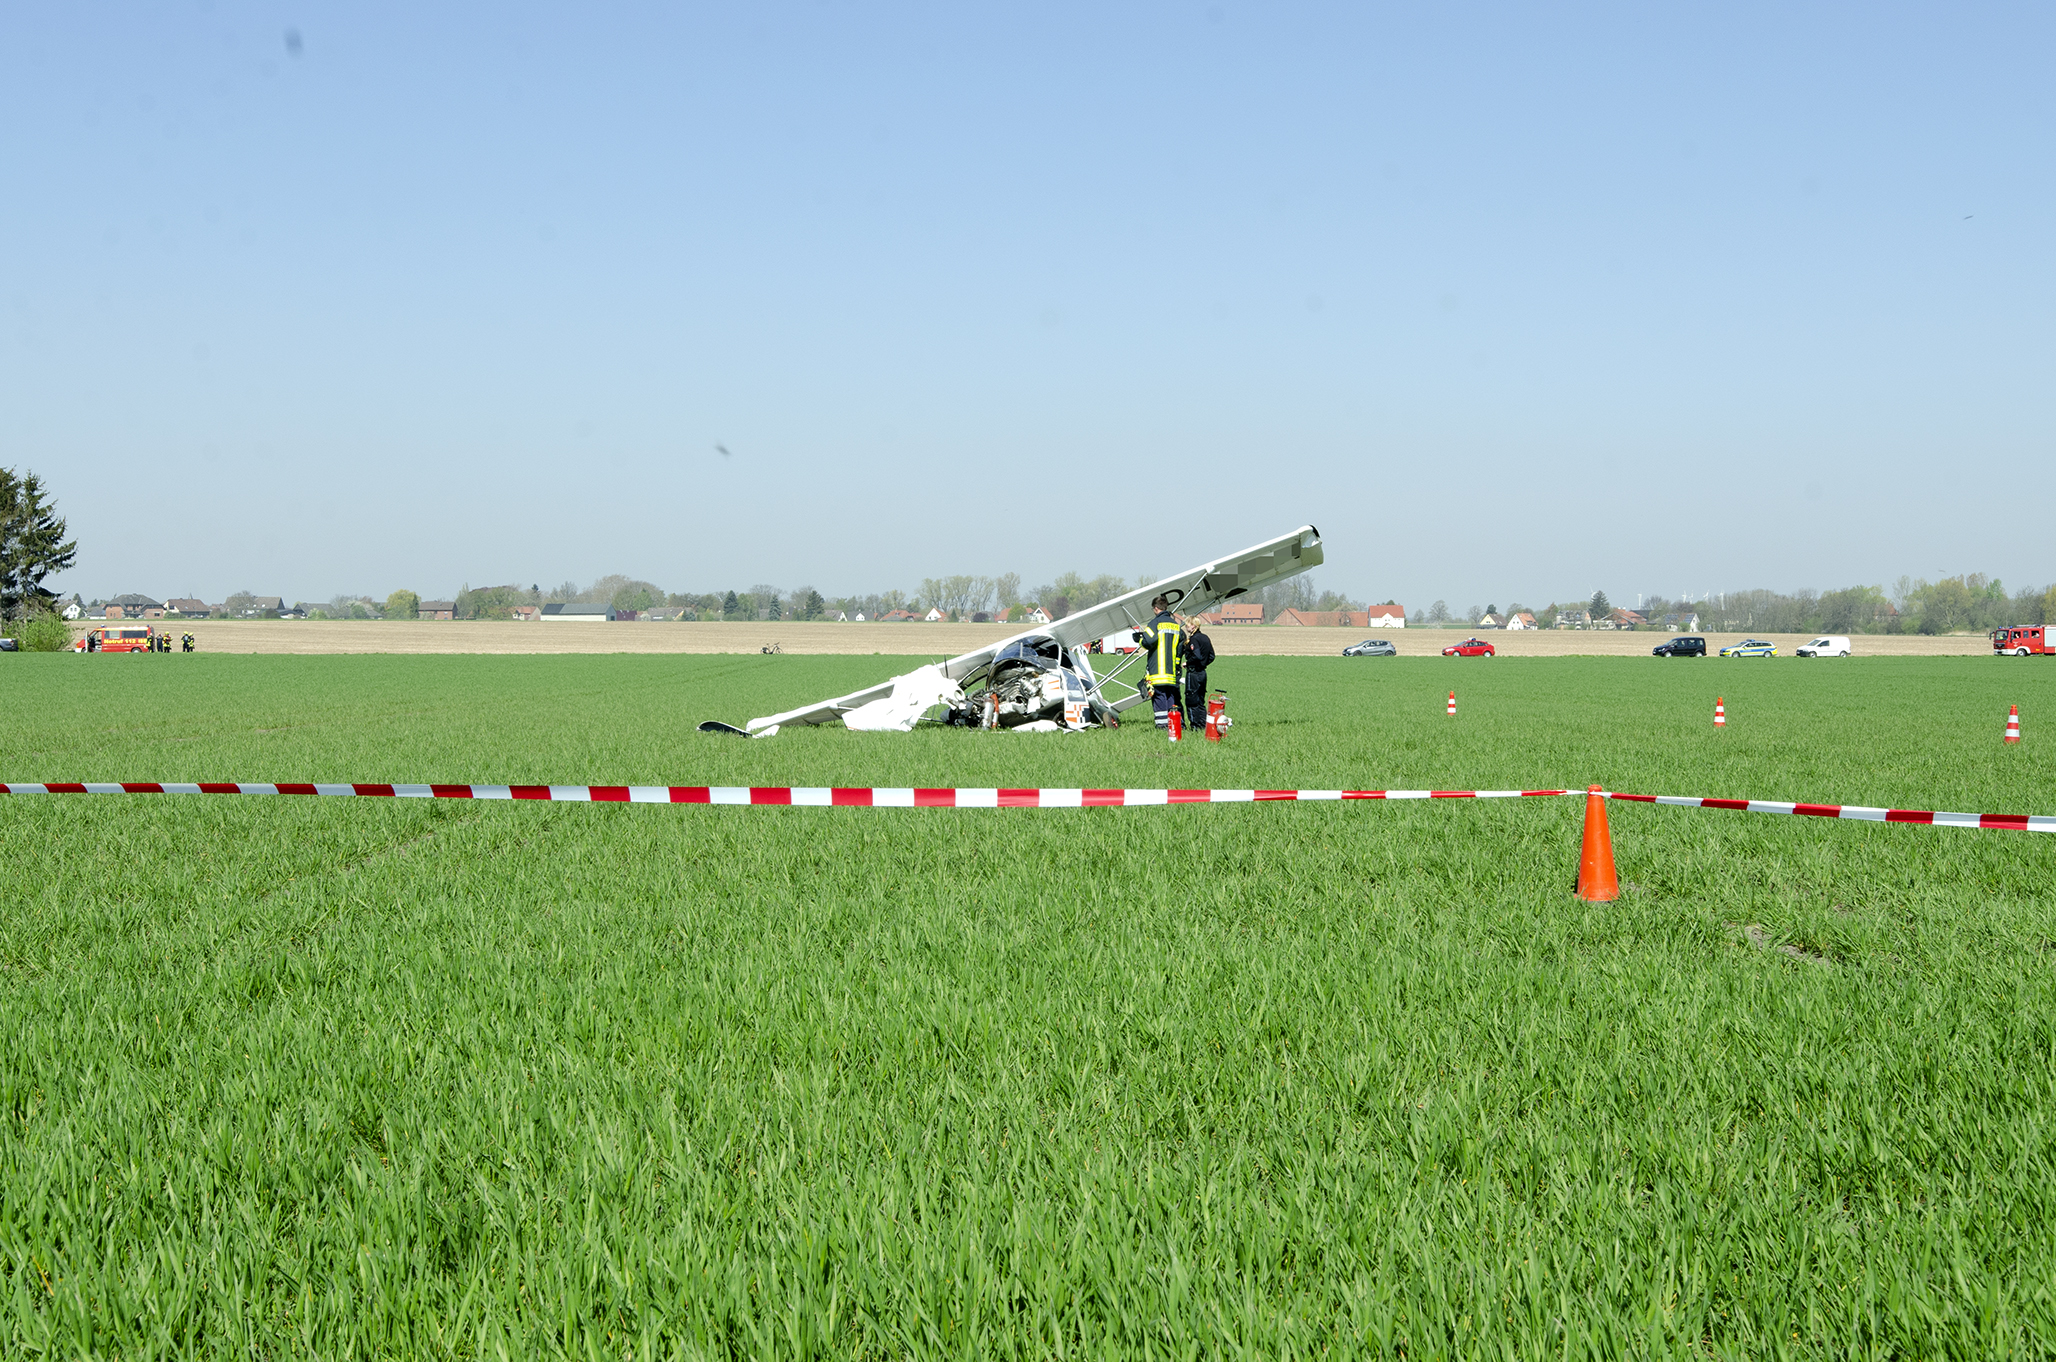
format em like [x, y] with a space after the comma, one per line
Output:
[420, 1079]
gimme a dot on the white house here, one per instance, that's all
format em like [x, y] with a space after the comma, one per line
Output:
[1491, 621]
[1390, 615]
[1037, 615]
[1520, 620]
[934, 615]
[860, 617]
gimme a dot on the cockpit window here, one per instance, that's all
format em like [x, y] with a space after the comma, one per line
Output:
[1040, 650]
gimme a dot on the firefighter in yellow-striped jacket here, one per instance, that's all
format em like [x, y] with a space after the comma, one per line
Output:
[1163, 644]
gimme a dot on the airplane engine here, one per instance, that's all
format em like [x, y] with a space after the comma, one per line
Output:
[1029, 682]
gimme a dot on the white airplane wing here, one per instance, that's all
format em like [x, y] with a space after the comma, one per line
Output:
[1194, 591]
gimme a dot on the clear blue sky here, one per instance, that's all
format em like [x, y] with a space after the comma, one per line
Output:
[1512, 301]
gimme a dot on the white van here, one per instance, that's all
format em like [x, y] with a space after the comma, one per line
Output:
[1120, 641]
[1827, 645]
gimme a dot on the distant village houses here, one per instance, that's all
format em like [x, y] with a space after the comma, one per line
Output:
[134, 607]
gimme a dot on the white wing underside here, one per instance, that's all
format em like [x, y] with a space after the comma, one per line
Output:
[1204, 586]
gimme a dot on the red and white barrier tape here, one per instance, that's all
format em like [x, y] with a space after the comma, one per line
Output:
[2015, 822]
[802, 796]
[882, 797]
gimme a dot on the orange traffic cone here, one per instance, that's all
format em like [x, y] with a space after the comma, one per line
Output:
[1452, 704]
[2013, 723]
[1596, 880]
[1720, 713]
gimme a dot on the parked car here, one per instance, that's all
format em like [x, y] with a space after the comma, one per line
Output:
[1470, 647]
[1371, 647]
[1750, 647]
[1827, 645]
[9, 645]
[1684, 645]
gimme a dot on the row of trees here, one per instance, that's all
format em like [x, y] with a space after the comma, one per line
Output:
[959, 597]
[1972, 602]
[1953, 604]
[33, 546]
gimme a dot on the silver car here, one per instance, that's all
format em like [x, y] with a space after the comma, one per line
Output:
[1371, 647]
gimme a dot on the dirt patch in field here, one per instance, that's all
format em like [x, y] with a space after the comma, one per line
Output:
[935, 640]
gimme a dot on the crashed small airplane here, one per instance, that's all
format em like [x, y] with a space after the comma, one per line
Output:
[1042, 680]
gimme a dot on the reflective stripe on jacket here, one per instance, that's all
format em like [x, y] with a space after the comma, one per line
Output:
[1164, 637]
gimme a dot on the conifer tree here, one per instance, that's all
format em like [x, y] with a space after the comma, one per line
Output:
[32, 542]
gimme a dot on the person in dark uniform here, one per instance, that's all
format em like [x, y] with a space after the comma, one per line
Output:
[1163, 643]
[1199, 655]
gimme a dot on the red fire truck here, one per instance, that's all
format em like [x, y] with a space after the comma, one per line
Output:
[2020, 641]
[118, 638]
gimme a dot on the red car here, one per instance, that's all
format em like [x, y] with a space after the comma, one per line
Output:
[1470, 647]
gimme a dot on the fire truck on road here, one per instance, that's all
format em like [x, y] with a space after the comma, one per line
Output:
[2020, 641]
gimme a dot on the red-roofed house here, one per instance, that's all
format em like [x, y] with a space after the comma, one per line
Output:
[1236, 613]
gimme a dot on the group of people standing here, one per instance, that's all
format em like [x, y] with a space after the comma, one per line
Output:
[1179, 654]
